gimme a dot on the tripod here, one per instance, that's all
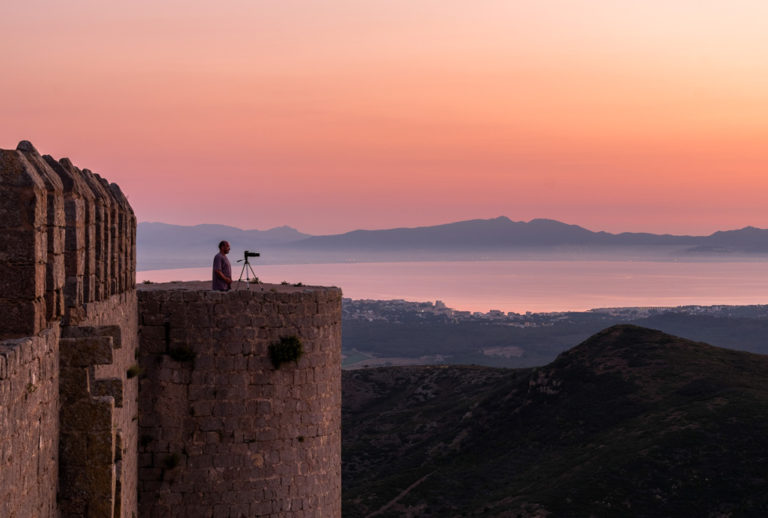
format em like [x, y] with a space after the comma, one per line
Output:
[248, 271]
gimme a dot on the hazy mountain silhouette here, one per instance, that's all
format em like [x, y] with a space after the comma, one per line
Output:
[162, 245]
[747, 240]
[177, 235]
[632, 422]
[503, 233]
[479, 232]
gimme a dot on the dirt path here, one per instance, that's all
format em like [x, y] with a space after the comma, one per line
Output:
[398, 497]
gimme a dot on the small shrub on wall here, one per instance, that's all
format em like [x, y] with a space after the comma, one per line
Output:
[288, 349]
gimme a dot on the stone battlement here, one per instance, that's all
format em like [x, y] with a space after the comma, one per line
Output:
[158, 401]
[68, 235]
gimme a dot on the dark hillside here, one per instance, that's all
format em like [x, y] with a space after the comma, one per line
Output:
[632, 422]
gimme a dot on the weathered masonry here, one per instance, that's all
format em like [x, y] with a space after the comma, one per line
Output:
[158, 402]
[68, 334]
[224, 433]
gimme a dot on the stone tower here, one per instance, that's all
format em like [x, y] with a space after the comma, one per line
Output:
[154, 402]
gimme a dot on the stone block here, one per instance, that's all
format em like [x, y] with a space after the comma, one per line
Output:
[73, 384]
[88, 415]
[101, 448]
[86, 351]
[224, 363]
[201, 392]
[199, 314]
[152, 346]
[22, 246]
[202, 408]
[211, 424]
[21, 318]
[152, 318]
[110, 387]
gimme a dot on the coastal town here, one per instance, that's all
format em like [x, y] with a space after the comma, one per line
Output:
[403, 311]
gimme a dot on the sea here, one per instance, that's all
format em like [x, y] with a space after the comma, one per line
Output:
[522, 286]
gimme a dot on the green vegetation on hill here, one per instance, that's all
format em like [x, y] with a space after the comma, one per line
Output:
[632, 422]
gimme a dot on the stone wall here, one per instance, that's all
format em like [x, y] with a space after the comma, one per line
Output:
[29, 425]
[222, 432]
[68, 331]
[99, 410]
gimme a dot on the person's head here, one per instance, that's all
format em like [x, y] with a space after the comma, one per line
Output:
[224, 247]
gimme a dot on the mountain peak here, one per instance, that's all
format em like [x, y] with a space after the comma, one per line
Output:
[628, 346]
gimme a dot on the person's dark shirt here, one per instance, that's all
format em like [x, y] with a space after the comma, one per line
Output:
[221, 263]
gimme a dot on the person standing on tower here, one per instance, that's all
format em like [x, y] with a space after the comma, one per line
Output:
[222, 270]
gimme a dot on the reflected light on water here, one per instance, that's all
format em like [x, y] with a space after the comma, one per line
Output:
[520, 286]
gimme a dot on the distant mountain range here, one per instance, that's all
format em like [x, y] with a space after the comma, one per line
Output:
[502, 233]
[162, 245]
[632, 422]
[163, 234]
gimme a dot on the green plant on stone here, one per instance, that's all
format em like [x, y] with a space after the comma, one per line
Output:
[133, 371]
[288, 349]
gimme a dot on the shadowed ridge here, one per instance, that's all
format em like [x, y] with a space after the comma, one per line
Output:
[659, 367]
[624, 345]
[623, 339]
[649, 354]
[631, 422]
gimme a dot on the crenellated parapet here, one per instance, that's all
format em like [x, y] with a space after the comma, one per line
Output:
[79, 252]
[69, 240]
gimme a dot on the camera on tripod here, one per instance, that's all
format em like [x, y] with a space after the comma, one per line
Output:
[250, 276]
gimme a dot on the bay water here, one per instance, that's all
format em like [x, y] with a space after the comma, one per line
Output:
[521, 286]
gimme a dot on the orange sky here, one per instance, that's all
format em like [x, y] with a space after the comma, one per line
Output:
[331, 116]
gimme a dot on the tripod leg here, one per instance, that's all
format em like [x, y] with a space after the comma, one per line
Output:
[252, 272]
[246, 266]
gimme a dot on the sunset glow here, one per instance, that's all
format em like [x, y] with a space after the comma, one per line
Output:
[615, 115]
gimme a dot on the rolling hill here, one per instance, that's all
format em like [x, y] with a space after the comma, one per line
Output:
[631, 422]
